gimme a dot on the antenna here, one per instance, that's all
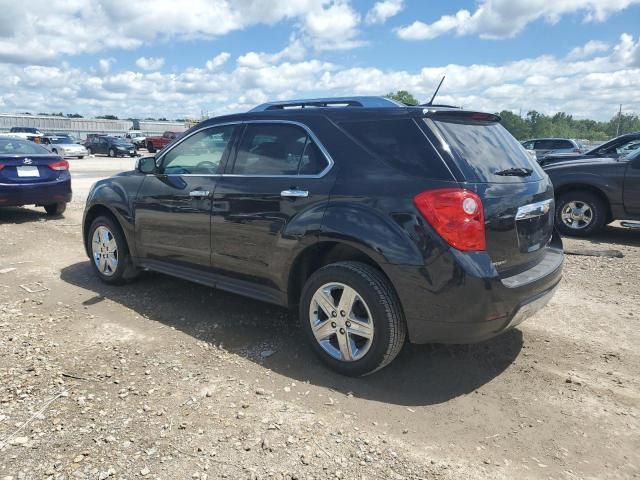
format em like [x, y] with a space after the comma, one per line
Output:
[430, 102]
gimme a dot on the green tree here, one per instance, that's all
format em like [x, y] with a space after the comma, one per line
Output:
[403, 96]
[108, 117]
[74, 115]
[515, 124]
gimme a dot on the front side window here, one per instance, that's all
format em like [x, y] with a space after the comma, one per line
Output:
[273, 149]
[200, 154]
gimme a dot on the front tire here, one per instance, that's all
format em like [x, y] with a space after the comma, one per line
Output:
[89, 151]
[352, 317]
[580, 213]
[55, 209]
[151, 148]
[112, 152]
[110, 258]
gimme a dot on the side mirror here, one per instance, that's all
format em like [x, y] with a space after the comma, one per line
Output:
[146, 165]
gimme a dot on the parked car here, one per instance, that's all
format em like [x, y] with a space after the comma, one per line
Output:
[66, 135]
[32, 175]
[592, 192]
[137, 138]
[543, 146]
[375, 221]
[618, 147]
[110, 146]
[27, 133]
[64, 146]
[158, 143]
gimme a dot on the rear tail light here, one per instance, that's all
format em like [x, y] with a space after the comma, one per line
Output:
[456, 214]
[1, 166]
[61, 165]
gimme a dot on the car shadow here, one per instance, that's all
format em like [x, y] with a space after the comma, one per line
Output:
[269, 335]
[18, 215]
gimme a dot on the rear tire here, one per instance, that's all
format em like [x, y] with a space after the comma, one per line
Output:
[55, 209]
[112, 152]
[580, 213]
[109, 252]
[80, 157]
[375, 311]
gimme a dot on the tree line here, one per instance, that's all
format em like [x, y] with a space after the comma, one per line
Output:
[538, 125]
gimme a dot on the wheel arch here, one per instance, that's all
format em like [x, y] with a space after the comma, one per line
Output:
[317, 256]
[94, 212]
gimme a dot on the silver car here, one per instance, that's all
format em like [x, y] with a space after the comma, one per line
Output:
[543, 146]
[65, 147]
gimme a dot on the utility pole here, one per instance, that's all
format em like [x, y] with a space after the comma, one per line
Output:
[619, 120]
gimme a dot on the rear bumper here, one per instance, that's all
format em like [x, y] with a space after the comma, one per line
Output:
[472, 303]
[35, 193]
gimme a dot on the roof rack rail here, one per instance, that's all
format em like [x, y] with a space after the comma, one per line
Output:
[364, 102]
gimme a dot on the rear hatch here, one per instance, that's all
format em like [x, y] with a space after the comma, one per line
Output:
[516, 194]
[21, 169]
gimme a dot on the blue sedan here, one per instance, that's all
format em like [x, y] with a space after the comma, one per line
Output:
[32, 175]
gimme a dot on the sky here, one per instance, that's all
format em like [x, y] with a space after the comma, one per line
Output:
[180, 59]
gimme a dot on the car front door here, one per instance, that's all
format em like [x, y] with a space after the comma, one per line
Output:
[542, 147]
[632, 185]
[173, 206]
[271, 196]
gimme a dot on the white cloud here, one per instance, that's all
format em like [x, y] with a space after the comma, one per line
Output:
[505, 18]
[40, 31]
[587, 87]
[150, 63]
[217, 61]
[332, 27]
[588, 49]
[384, 10]
[104, 64]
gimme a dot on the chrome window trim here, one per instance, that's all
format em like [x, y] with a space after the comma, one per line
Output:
[321, 147]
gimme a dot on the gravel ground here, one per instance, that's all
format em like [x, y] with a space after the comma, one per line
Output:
[170, 380]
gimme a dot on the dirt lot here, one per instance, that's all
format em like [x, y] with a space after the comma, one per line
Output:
[166, 379]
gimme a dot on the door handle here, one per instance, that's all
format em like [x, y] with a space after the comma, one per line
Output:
[294, 193]
[199, 193]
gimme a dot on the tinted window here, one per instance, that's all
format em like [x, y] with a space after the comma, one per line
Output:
[201, 153]
[544, 145]
[485, 148]
[277, 149]
[10, 146]
[400, 143]
[528, 145]
[558, 144]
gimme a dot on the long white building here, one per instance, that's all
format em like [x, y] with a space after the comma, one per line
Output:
[80, 127]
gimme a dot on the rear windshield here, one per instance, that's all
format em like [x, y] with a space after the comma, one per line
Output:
[481, 149]
[401, 143]
[16, 147]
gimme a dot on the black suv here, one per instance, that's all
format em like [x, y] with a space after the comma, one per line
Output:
[110, 146]
[375, 220]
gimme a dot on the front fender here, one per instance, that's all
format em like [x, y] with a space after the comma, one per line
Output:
[116, 195]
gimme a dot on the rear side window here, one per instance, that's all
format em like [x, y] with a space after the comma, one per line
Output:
[273, 149]
[401, 143]
[481, 149]
[11, 146]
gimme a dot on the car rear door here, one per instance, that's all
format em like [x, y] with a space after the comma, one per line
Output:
[542, 147]
[271, 196]
[173, 206]
[517, 196]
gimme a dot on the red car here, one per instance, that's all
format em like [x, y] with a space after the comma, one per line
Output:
[158, 143]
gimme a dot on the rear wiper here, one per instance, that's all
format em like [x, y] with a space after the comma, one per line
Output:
[515, 172]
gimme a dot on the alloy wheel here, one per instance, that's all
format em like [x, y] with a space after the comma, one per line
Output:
[105, 251]
[577, 215]
[341, 322]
